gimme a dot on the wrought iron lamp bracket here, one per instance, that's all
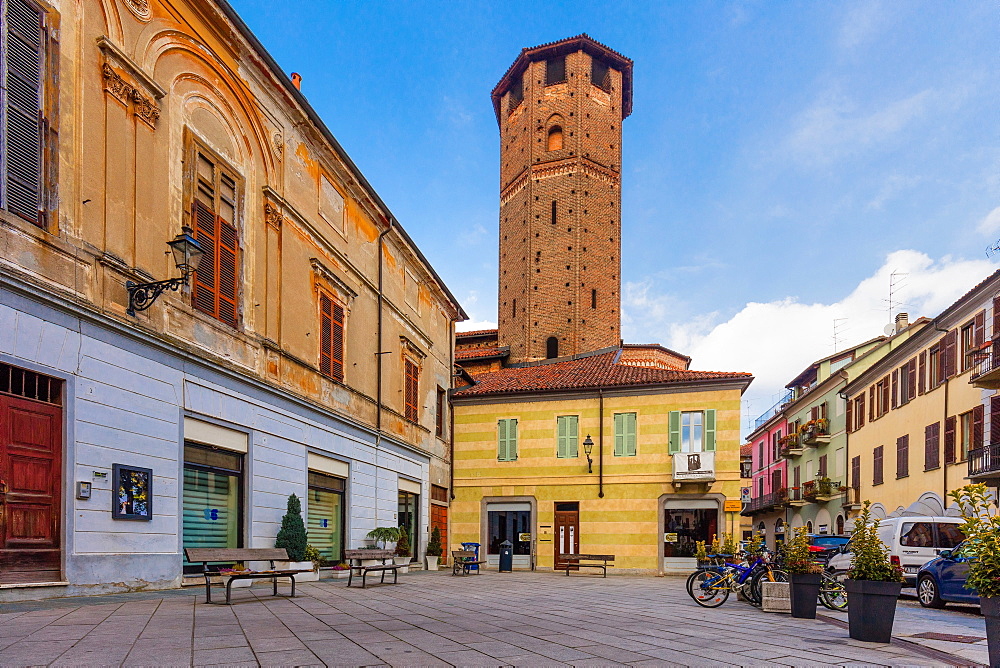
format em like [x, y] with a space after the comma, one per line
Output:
[142, 295]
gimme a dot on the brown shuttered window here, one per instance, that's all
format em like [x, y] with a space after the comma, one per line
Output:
[994, 419]
[217, 280]
[331, 337]
[903, 456]
[922, 373]
[977, 426]
[22, 58]
[912, 378]
[822, 466]
[895, 387]
[872, 403]
[410, 390]
[949, 440]
[856, 472]
[850, 415]
[859, 411]
[932, 446]
[877, 465]
[996, 316]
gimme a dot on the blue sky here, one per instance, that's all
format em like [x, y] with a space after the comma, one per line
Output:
[782, 158]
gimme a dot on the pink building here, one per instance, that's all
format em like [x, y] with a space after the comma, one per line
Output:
[769, 470]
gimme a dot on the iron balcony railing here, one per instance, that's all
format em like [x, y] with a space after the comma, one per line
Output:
[767, 501]
[773, 410]
[985, 361]
[984, 460]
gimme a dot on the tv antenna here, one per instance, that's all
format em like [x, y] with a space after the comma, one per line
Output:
[838, 328]
[897, 280]
[994, 249]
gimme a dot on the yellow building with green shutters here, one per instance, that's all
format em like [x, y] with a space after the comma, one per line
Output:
[621, 451]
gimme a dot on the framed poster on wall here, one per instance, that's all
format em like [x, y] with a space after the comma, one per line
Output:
[131, 493]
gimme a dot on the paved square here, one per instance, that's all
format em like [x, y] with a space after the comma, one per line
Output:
[516, 619]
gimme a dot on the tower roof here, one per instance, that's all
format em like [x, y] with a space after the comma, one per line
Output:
[582, 42]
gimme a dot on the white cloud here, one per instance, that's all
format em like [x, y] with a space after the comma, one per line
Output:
[862, 23]
[473, 325]
[991, 223]
[777, 340]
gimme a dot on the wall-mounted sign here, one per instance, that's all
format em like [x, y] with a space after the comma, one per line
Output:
[524, 537]
[745, 494]
[131, 493]
[733, 506]
[670, 537]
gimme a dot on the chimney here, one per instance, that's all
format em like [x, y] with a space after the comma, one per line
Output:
[297, 80]
[902, 321]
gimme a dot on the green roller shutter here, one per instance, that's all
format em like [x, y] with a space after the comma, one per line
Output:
[710, 430]
[674, 427]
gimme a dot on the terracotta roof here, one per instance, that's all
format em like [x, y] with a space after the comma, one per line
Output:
[482, 353]
[592, 371]
[581, 42]
[746, 450]
[657, 346]
[477, 332]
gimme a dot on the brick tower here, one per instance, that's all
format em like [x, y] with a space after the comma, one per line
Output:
[560, 108]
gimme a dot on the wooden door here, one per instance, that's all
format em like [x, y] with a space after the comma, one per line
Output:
[30, 484]
[567, 528]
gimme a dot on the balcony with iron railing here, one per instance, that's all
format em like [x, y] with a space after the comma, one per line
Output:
[852, 498]
[767, 502]
[986, 367]
[984, 463]
[773, 410]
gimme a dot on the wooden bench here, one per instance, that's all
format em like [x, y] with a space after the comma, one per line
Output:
[362, 555]
[463, 560]
[601, 561]
[240, 554]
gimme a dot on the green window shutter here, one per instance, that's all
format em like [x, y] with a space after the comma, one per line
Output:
[502, 440]
[674, 427]
[619, 435]
[710, 430]
[512, 440]
[562, 442]
[630, 434]
[573, 435]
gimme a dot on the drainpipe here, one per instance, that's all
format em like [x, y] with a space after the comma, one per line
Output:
[379, 352]
[847, 443]
[600, 443]
[944, 427]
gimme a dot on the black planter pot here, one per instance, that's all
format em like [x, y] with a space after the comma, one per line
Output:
[804, 593]
[872, 609]
[990, 608]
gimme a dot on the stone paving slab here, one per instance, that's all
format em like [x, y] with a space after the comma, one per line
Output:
[433, 619]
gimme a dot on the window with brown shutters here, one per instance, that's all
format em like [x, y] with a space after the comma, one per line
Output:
[922, 373]
[411, 389]
[894, 392]
[331, 337]
[949, 440]
[216, 283]
[859, 411]
[856, 472]
[22, 122]
[903, 456]
[822, 466]
[995, 420]
[932, 446]
[911, 379]
[996, 317]
[978, 414]
[850, 415]
[439, 413]
[877, 465]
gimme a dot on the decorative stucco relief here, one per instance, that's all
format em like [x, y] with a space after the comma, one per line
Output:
[129, 94]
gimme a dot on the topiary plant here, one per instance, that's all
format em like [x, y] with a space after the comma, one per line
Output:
[292, 534]
[403, 543]
[434, 548]
[384, 535]
[796, 557]
[871, 556]
[982, 538]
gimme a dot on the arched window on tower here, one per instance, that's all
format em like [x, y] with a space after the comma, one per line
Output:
[551, 347]
[555, 138]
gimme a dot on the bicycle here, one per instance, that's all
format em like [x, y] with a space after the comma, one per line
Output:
[710, 586]
[832, 593]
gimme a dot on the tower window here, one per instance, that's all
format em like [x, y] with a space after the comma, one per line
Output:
[551, 347]
[555, 138]
[555, 70]
[513, 308]
[600, 75]
[553, 212]
[516, 94]
[593, 298]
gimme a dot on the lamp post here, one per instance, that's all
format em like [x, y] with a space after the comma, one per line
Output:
[187, 256]
[588, 447]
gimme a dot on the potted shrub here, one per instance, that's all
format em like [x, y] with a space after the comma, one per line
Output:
[384, 535]
[292, 537]
[804, 574]
[873, 583]
[403, 553]
[434, 550]
[982, 534]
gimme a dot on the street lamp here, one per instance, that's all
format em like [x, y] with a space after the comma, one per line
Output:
[187, 256]
[588, 447]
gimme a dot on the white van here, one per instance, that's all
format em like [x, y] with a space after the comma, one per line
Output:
[912, 542]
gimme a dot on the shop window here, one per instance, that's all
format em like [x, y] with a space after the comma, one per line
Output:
[326, 514]
[509, 525]
[212, 499]
[408, 513]
[685, 527]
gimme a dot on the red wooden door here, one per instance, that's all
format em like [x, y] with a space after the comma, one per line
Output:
[567, 528]
[439, 519]
[30, 484]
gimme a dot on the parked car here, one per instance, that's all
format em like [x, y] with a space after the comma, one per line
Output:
[942, 579]
[824, 546]
[912, 542]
